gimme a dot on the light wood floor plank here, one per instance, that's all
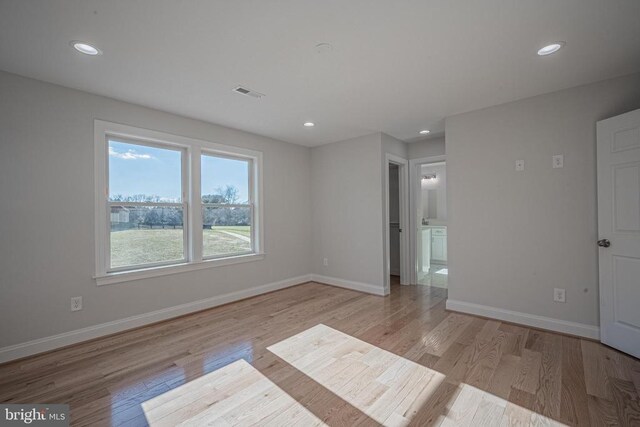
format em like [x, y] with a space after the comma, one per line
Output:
[549, 385]
[595, 372]
[445, 334]
[528, 376]
[626, 401]
[504, 376]
[574, 407]
[602, 412]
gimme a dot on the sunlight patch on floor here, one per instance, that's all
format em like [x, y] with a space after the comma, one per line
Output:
[388, 388]
[444, 271]
[475, 407]
[391, 389]
[237, 394]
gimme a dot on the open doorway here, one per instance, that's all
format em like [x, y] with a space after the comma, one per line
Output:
[429, 221]
[394, 224]
[396, 259]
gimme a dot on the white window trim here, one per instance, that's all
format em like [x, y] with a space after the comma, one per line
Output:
[193, 150]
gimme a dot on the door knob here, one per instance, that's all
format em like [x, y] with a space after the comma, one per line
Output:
[604, 243]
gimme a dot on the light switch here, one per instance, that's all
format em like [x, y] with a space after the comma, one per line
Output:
[519, 165]
[558, 161]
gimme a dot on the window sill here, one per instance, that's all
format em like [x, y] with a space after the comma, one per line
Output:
[145, 273]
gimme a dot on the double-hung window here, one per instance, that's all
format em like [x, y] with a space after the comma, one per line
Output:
[227, 206]
[166, 204]
[147, 205]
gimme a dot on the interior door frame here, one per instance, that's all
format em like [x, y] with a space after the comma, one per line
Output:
[403, 187]
[414, 188]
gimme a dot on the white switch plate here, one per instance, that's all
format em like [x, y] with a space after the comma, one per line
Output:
[558, 161]
[519, 165]
[76, 303]
[559, 295]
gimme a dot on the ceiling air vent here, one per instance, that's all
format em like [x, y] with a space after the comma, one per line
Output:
[248, 92]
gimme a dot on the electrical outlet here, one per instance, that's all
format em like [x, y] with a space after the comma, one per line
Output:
[519, 165]
[557, 161]
[325, 262]
[76, 303]
[559, 295]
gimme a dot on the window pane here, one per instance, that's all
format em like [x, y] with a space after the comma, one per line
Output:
[225, 180]
[138, 173]
[226, 231]
[146, 235]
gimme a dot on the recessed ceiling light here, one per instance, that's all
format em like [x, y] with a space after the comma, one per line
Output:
[309, 124]
[85, 48]
[424, 132]
[549, 49]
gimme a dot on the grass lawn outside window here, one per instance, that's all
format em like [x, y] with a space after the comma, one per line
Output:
[143, 246]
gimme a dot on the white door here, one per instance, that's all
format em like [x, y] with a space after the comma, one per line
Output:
[619, 231]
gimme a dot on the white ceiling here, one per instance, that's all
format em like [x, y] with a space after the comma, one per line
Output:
[397, 66]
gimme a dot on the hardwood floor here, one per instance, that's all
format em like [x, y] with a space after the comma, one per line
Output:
[315, 354]
[437, 276]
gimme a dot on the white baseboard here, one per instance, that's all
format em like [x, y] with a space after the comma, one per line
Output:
[566, 327]
[41, 345]
[348, 284]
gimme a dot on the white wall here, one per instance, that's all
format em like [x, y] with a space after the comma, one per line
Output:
[393, 146]
[346, 210]
[426, 148]
[47, 213]
[514, 236]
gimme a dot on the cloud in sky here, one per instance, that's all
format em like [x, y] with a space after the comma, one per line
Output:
[128, 155]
